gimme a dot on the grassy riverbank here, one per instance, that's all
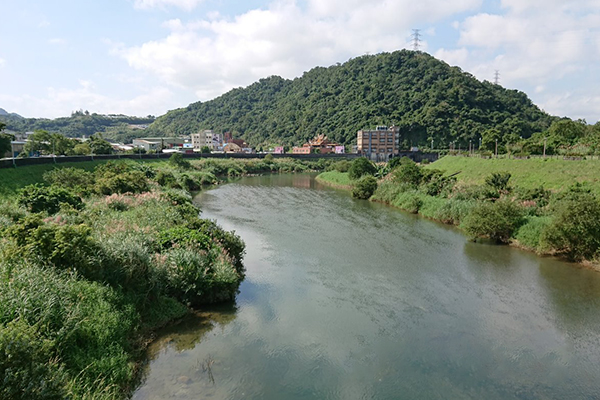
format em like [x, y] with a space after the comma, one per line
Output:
[565, 221]
[94, 258]
[553, 174]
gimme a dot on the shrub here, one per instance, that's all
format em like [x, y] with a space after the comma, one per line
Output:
[28, 368]
[530, 233]
[539, 195]
[177, 161]
[182, 235]
[361, 166]
[364, 187]
[167, 179]
[409, 201]
[126, 182]
[494, 220]
[340, 166]
[575, 227]
[78, 180]
[436, 183]
[188, 182]
[408, 172]
[498, 181]
[269, 158]
[37, 198]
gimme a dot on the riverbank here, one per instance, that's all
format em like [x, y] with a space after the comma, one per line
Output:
[96, 256]
[561, 223]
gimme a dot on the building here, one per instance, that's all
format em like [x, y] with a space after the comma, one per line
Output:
[147, 145]
[232, 148]
[302, 150]
[320, 144]
[198, 141]
[379, 144]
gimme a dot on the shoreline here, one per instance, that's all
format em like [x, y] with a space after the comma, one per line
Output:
[513, 243]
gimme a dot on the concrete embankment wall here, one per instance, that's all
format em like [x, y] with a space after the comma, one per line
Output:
[21, 162]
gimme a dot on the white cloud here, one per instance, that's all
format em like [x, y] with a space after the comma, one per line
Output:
[187, 5]
[62, 101]
[213, 55]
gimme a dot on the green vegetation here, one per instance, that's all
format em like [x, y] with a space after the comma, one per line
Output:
[92, 259]
[360, 167]
[490, 204]
[554, 174]
[82, 123]
[364, 187]
[425, 97]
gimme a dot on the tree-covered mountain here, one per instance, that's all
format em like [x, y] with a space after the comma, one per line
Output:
[82, 123]
[426, 97]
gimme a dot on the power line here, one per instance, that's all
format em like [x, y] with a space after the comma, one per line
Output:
[497, 77]
[416, 36]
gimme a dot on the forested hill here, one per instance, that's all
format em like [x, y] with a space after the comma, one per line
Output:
[81, 123]
[426, 97]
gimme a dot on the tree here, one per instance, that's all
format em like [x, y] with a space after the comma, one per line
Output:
[5, 139]
[99, 146]
[489, 138]
[62, 145]
[205, 150]
[361, 166]
[496, 221]
[364, 187]
[39, 143]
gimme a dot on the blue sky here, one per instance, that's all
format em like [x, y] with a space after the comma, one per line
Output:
[143, 57]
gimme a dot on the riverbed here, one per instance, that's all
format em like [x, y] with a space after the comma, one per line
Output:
[348, 299]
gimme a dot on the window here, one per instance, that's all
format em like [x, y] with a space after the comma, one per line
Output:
[390, 140]
[390, 150]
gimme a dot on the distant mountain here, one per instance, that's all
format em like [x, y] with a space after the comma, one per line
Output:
[82, 123]
[4, 113]
[426, 97]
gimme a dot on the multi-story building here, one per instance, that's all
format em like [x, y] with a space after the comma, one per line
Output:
[379, 144]
[198, 140]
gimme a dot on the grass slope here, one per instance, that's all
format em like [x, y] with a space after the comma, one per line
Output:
[12, 179]
[335, 179]
[553, 174]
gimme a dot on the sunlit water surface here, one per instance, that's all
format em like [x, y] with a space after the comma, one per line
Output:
[347, 299]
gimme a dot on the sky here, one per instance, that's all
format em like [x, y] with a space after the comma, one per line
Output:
[145, 57]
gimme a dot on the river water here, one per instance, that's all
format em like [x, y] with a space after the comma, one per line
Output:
[347, 299]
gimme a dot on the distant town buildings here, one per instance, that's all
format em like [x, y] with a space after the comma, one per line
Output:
[379, 144]
[320, 144]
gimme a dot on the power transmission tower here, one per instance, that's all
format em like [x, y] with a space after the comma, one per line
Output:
[497, 78]
[416, 36]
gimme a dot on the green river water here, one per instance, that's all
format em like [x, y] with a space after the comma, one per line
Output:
[347, 299]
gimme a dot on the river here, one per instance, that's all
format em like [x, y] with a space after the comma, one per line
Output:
[348, 299]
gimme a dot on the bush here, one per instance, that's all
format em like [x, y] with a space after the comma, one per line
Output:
[78, 180]
[360, 167]
[177, 161]
[408, 172]
[126, 182]
[167, 179]
[37, 198]
[409, 201]
[364, 187]
[494, 220]
[269, 158]
[28, 368]
[530, 233]
[340, 166]
[498, 182]
[575, 228]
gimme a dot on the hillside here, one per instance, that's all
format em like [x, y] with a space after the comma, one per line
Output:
[80, 124]
[425, 96]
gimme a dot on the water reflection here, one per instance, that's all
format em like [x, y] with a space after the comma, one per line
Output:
[348, 299]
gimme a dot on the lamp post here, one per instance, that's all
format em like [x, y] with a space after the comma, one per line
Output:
[496, 148]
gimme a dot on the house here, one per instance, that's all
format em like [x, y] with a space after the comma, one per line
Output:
[232, 148]
[147, 145]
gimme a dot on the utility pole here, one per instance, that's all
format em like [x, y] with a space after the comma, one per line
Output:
[497, 77]
[496, 148]
[12, 148]
[545, 146]
[416, 36]
[431, 144]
